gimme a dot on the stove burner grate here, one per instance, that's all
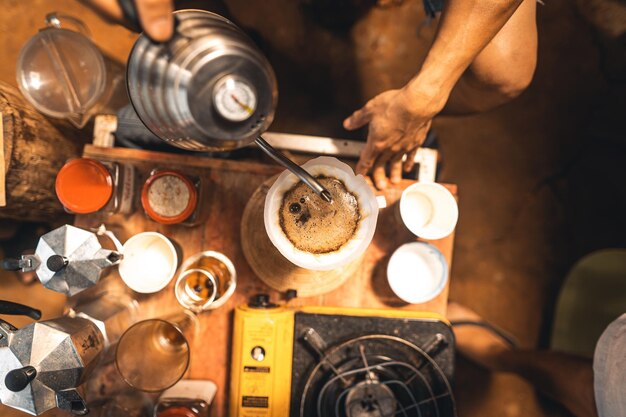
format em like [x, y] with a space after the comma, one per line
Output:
[377, 376]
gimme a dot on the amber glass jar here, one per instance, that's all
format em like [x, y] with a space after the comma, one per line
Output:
[169, 197]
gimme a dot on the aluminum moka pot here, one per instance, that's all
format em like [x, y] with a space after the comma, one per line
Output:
[67, 260]
[207, 89]
[42, 364]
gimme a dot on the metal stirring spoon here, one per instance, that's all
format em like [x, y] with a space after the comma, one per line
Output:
[297, 170]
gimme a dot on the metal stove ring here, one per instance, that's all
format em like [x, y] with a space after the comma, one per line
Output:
[423, 355]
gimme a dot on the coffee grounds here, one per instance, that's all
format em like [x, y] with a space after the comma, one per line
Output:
[314, 225]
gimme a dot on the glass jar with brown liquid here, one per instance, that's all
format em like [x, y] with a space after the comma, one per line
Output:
[207, 281]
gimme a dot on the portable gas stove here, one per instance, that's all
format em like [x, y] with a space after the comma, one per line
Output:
[340, 362]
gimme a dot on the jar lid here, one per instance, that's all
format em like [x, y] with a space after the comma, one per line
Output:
[169, 197]
[177, 412]
[84, 185]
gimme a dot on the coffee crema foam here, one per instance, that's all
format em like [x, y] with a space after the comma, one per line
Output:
[314, 225]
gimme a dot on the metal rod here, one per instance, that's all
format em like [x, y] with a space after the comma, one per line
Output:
[297, 170]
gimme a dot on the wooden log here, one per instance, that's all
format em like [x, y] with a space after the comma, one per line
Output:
[34, 151]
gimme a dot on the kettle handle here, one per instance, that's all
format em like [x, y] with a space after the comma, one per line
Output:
[11, 264]
[59, 20]
[26, 264]
[16, 309]
[131, 17]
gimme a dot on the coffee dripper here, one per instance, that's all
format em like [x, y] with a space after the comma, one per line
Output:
[207, 89]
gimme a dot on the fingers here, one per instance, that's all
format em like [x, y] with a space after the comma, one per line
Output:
[414, 146]
[395, 168]
[410, 160]
[378, 173]
[106, 8]
[367, 158]
[359, 118]
[156, 18]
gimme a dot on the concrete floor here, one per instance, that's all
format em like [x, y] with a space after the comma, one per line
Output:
[541, 180]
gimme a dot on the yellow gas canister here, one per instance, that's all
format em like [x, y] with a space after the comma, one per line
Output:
[261, 360]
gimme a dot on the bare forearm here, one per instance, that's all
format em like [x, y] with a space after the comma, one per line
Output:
[465, 28]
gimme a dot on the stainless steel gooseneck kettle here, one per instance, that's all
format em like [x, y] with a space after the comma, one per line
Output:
[208, 89]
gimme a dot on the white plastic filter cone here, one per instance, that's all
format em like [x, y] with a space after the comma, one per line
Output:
[356, 184]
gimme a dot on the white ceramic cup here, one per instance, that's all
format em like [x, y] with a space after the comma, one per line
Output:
[429, 210]
[149, 264]
[417, 272]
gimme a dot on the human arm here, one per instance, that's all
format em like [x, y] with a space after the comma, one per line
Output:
[399, 119]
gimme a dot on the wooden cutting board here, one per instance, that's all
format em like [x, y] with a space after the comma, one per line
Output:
[228, 187]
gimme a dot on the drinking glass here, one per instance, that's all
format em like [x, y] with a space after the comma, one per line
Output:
[206, 282]
[153, 354]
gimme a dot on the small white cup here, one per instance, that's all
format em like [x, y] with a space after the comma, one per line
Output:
[417, 272]
[149, 264]
[429, 210]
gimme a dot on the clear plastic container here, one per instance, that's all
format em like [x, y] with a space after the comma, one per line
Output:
[63, 74]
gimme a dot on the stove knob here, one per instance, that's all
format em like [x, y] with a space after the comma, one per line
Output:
[261, 301]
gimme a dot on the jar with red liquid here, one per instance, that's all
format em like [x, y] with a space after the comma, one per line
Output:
[188, 398]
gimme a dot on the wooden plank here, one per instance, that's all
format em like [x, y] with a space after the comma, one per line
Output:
[227, 188]
[34, 151]
[103, 127]
[3, 197]
[140, 157]
[425, 158]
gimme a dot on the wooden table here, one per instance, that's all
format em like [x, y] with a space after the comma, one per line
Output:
[227, 187]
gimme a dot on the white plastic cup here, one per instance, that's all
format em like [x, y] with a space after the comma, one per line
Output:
[149, 264]
[429, 210]
[417, 272]
[355, 247]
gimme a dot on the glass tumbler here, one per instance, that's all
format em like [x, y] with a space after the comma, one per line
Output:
[153, 354]
[208, 279]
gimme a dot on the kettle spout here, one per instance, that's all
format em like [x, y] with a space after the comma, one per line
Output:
[70, 400]
[106, 258]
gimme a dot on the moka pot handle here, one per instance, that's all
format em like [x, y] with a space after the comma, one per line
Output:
[16, 309]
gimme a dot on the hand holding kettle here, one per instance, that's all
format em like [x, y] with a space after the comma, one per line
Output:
[154, 17]
[208, 88]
